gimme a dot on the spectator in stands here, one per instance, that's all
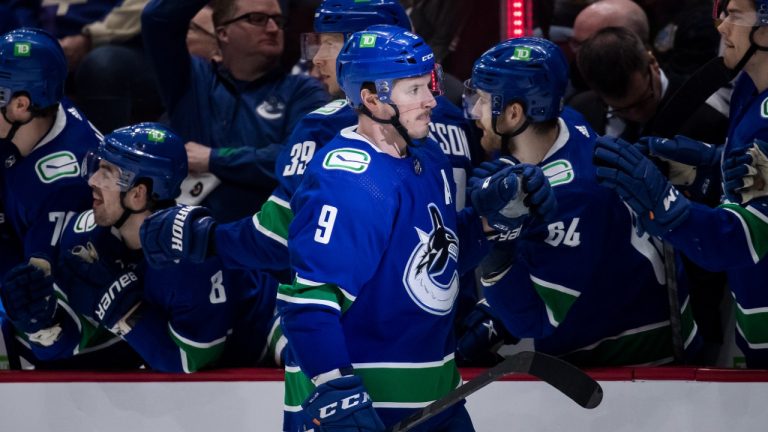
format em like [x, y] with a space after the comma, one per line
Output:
[578, 314]
[235, 114]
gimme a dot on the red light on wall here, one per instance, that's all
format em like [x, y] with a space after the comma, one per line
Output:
[518, 17]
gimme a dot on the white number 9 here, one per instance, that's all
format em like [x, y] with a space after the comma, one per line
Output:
[325, 224]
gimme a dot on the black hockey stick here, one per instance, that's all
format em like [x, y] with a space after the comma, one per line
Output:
[569, 379]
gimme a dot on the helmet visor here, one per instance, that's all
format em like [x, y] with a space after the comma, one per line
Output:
[434, 86]
[321, 46]
[475, 102]
[105, 175]
[724, 11]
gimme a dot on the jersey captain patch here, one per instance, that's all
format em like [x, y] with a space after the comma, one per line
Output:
[430, 278]
[347, 159]
[57, 166]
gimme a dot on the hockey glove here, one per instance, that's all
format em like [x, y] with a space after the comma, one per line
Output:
[690, 164]
[97, 291]
[342, 405]
[621, 167]
[178, 233]
[29, 298]
[480, 336]
[745, 173]
[509, 195]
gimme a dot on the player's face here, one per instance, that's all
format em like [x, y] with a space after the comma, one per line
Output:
[414, 100]
[246, 38]
[481, 112]
[737, 21]
[328, 49]
[107, 207]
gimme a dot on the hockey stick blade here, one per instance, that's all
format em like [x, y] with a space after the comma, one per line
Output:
[570, 380]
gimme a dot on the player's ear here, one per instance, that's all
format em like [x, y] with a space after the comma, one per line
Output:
[370, 99]
[513, 117]
[20, 103]
[137, 197]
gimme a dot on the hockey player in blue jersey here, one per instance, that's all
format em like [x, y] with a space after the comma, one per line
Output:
[43, 139]
[584, 284]
[179, 319]
[732, 236]
[234, 114]
[377, 248]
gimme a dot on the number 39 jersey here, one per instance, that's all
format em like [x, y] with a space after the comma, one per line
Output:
[44, 189]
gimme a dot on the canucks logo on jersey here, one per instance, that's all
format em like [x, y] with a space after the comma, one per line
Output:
[430, 278]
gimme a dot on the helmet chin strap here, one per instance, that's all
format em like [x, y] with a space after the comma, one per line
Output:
[394, 121]
[753, 48]
[505, 137]
[15, 125]
[126, 212]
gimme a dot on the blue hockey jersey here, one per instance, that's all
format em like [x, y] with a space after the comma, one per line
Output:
[192, 316]
[733, 237]
[377, 269]
[586, 286]
[44, 189]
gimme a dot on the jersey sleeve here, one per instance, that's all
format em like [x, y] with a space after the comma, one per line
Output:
[336, 243]
[724, 237]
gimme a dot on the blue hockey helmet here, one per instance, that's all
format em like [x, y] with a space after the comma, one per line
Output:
[349, 16]
[142, 151]
[32, 61]
[528, 70]
[381, 55]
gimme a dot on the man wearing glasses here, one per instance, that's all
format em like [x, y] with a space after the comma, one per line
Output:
[630, 88]
[236, 113]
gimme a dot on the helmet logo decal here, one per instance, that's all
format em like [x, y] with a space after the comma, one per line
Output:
[57, 166]
[522, 53]
[367, 40]
[156, 136]
[22, 49]
[347, 159]
[430, 278]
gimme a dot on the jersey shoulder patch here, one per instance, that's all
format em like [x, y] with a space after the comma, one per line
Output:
[331, 107]
[84, 222]
[347, 159]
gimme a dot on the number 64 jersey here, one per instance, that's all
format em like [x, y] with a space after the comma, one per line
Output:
[378, 248]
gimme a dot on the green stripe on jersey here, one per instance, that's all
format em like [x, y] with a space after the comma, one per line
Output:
[387, 384]
[197, 355]
[756, 225]
[753, 325]
[557, 298]
[273, 219]
[321, 294]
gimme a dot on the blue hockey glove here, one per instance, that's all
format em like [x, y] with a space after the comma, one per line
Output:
[96, 290]
[489, 168]
[509, 195]
[178, 233]
[658, 205]
[691, 165]
[480, 336]
[29, 298]
[342, 405]
[745, 173]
